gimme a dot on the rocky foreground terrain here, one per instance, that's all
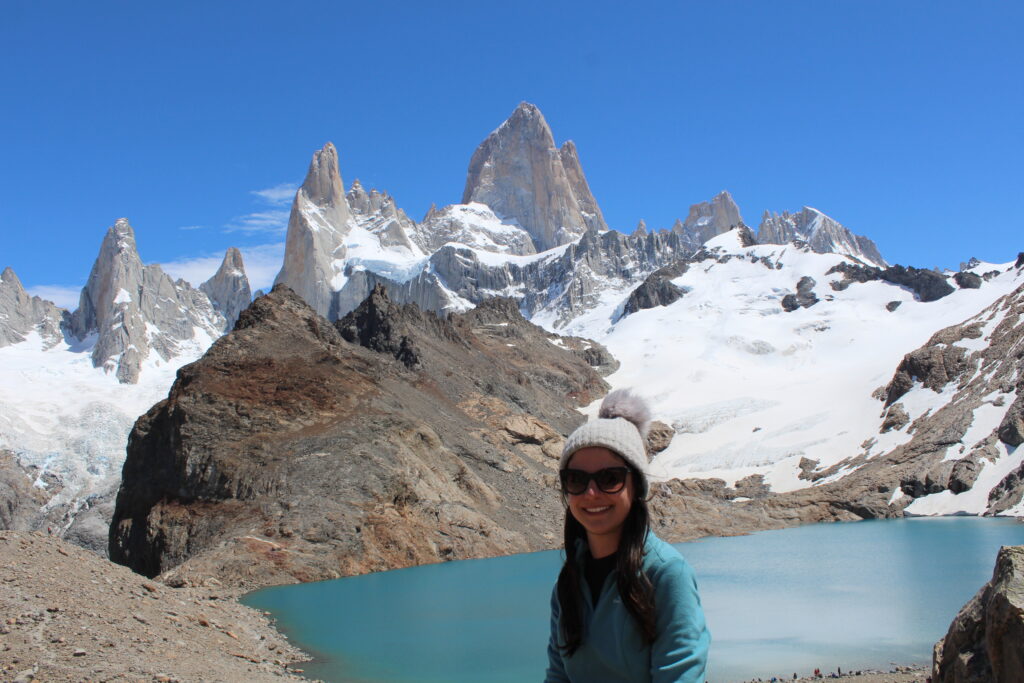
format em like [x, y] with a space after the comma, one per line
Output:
[67, 614]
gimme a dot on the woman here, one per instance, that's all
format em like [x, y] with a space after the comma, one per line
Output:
[625, 607]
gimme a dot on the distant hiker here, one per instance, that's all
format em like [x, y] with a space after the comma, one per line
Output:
[625, 606]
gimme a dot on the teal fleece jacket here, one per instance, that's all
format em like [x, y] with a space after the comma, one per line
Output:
[613, 648]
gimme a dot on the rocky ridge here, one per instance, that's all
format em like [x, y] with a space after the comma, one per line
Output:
[823, 234]
[21, 314]
[290, 454]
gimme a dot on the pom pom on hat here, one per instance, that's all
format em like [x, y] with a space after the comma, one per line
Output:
[627, 405]
[621, 426]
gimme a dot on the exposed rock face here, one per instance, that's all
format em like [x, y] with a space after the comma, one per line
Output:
[710, 219]
[804, 297]
[19, 499]
[522, 176]
[934, 365]
[563, 284]
[965, 280]
[318, 223]
[228, 289]
[985, 377]
[657, 289]
[135, 309]
[21, 314]
[1011, 429]
[927, 285]
[985, 642]
[822, 233]
[378, 213]
[287, 453]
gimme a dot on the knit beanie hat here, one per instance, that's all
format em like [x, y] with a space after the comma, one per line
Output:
[621, 427]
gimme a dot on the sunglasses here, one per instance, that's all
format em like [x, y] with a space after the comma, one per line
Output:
[609, 480]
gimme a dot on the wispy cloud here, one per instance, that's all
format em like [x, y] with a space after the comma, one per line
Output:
[278, 195]
[262, 262]
[65, 297]
[270, 221]
[273, 222]
[192, 227]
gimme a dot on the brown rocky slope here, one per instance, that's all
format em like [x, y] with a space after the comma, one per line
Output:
[290, 454]
[67, 614]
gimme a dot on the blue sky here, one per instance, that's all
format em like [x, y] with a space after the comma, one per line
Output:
[196, 120]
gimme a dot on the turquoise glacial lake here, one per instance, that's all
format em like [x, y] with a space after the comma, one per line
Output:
[852, 595]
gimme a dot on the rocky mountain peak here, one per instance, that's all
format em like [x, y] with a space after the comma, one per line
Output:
[228, 289]
[323, 186]
[710, 219]
[319, 220]
[822, 233]
[133, 309]
[22, 314]
[520, 174]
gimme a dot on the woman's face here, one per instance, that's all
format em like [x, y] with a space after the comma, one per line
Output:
[601, 514]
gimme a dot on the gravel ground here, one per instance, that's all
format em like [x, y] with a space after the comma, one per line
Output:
[67, 614]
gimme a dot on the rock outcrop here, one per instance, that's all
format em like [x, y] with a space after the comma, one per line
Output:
[804, 297]
[314, 245]
[710, 219]
[134, 310]
[288, 453]
[657, 289]
[22, 314]
[985, 642]
[20, 501]
[822, 233]
[927, 285]
[228, 289]
[979, 362]
[520, 173]
[378, 213]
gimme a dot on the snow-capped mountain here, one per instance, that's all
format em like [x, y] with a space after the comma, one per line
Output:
[766, 355]
[133, 310]
[72, 384]
[823, 234]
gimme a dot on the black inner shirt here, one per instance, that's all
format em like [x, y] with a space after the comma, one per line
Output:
[596, 571]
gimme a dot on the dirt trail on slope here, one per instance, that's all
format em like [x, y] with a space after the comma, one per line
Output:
[67, 614]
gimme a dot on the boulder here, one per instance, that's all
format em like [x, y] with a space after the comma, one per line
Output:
[985, 641]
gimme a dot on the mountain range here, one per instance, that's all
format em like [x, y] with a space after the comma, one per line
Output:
[797, 375]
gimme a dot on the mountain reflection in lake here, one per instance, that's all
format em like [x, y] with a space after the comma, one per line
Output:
[853, 595]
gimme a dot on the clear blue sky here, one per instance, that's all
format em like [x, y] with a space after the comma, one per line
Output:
[902, 120]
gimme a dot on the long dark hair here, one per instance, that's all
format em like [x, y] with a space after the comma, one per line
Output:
[634, 587]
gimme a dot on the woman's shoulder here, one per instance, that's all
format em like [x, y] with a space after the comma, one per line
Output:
[661, 559]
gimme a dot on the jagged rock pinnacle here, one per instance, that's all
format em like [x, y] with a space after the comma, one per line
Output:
[521, 175]
[229, 289]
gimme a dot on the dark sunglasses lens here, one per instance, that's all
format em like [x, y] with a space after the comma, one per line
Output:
[575, 481]
[610, 480]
